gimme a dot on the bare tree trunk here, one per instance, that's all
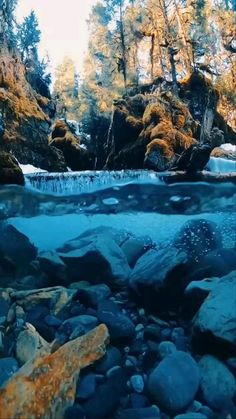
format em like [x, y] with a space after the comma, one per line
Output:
[152, 56]
[208, 117]
[123, 46]
[188, 63]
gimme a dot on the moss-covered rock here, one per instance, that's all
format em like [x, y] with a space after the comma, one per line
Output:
[25, 115]
[10, 171]
[76, 157]
[150, 131]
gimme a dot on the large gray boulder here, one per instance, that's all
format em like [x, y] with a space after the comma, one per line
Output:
[215, 323]
[97, 261]
[174, 382]
[158, 277]
[217, 384]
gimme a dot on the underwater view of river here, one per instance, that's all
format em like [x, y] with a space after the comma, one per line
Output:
[151, 261]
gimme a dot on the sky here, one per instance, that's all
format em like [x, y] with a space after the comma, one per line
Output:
[63, 26]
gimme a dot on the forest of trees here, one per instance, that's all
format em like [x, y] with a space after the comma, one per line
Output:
[131, 43]
[23, 39]
[135, 42]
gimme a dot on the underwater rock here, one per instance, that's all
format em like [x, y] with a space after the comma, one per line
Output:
[196, 292]
[10, 171]
[217, 385]
[135, 247]
[53, 266]
[94, 294]
[8, 367]
[46, 387]
[16, 246]
[158, 277]
[214, 325]
[30, 344]
[174, 382]
[55, 298]
[198, 237]
[101, 260]
[120, 326]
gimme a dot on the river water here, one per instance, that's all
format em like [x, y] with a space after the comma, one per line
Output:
[53, 208]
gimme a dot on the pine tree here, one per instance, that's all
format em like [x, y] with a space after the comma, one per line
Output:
[29, 35]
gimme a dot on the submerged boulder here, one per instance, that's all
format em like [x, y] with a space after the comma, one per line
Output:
[16, 246]
[10, 171]
[214, 326]
[97, 260]
[217, 385]
[174, 383]
[46, 386]
[158, 278]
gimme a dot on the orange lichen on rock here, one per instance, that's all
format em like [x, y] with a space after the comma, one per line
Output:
[45, 387]
[15, 92]
[154, 113]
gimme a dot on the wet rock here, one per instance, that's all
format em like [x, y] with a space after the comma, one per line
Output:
[174, 382]
[54, 298]
[140, 413]
[166, 348]
[30, 344]
[53, 266]
[152, 332]
[119, 236]
[214, 325]
[16, 246]
[76, 326]
[217, 384]
[8, 367]
[215, 264]
[92, 295]
[100, 261]
[137, 383]
[119, 324]
[46, 387]
[198, 237]
[111, 358]
[107, 396]
[10, 171]
[158, 277]
[134, 248]
[196, 292]
[86, 387]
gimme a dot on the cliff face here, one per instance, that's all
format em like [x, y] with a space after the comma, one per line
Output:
[25, 117]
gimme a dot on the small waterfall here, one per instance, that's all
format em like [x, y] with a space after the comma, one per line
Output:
[219, 164]
[74, 183]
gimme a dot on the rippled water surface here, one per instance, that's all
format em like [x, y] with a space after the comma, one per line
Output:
[51, 208]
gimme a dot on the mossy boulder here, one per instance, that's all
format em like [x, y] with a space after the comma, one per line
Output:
[150, 131]
[10, 171]
[76, 157]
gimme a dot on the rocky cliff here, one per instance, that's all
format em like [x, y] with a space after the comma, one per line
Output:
[25, 117]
